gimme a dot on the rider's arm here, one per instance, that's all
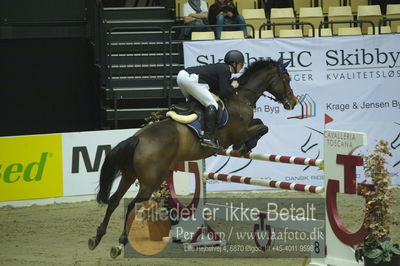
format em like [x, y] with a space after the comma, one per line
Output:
[189, 15]
[225, 86]
[201, 15]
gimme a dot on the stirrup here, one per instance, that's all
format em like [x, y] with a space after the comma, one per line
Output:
[210, 144]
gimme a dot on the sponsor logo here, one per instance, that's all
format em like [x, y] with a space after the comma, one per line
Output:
[363, 106]
[307, 106]
[298, 68]
[25, 173]
[311, 147]
[300, 59]
[359, 57]
[363, 63]
[82, 152]
[30, 167]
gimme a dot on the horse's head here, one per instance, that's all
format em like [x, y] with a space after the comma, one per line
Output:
[280, 86]
[271, 76]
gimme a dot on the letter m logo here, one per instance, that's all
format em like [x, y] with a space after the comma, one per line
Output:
[82, 151]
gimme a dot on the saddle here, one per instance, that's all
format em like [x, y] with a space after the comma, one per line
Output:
[191, 114]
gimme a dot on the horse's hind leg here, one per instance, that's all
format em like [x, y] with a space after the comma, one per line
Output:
[152, 182]
[127, 180]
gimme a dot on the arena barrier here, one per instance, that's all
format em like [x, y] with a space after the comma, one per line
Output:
[339, 177]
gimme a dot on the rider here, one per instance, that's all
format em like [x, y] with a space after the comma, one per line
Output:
[199, 81]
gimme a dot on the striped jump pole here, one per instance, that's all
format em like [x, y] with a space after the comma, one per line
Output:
[264, 183]
[338, 242]
[274, 158]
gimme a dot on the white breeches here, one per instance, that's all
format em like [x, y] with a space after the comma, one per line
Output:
[190, 86]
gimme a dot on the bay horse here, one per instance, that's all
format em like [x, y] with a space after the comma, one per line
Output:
[148, 155]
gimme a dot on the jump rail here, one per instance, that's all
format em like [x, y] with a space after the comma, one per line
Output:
[264, 183]
[274, 158]
[339, 147]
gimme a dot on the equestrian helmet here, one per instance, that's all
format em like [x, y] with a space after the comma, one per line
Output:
[234, 56]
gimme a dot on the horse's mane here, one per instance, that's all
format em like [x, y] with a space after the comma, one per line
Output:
[254, 67]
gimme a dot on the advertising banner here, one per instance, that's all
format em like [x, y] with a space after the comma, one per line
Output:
[345, 83]
[30, 167]
[84, 154]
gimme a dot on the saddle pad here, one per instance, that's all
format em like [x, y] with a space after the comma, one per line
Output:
[197, 128]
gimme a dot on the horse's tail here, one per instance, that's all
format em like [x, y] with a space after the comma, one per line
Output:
[120, 158]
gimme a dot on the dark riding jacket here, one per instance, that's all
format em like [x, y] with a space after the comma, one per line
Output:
[217, 76]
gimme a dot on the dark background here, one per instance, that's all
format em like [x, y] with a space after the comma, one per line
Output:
[46, 86]
[47, 74]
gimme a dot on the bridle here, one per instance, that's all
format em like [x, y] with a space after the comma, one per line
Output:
[282, 71]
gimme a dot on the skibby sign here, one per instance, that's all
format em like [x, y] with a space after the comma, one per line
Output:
[355, 85]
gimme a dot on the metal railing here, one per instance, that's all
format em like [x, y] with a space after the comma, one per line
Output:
[295, 25]
[135, 47]
[100, 39]
[351, 22]
[387, 21]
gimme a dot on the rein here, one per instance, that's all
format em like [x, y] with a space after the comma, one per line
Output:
[271, 98]
[281, 70]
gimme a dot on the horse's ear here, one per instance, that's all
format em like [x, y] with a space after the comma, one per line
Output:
[280, 60]
[284, 66]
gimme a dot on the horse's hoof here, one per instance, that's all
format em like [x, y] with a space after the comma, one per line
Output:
[115, 251]
[92, 243]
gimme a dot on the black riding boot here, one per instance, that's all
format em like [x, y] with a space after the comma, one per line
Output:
[210, 117]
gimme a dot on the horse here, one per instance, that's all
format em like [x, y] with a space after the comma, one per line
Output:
[154, 149]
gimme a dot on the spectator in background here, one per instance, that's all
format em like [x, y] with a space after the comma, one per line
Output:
[224, 12]
[195, 13]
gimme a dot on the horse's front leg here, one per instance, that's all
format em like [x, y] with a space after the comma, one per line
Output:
[255, 131]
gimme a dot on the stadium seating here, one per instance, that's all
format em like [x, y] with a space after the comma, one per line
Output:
[312, 15]
[282, 15]
[245, 4]
[255, 17]
[393, 11]
[237, 34]
[290, 33]
[297, 4]
[267, 34]
[205, 35]
[324, 33]
[355, 3]
[349, 31]
[341, 13]
[326, 4]
[371, 13]
[384, 30]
